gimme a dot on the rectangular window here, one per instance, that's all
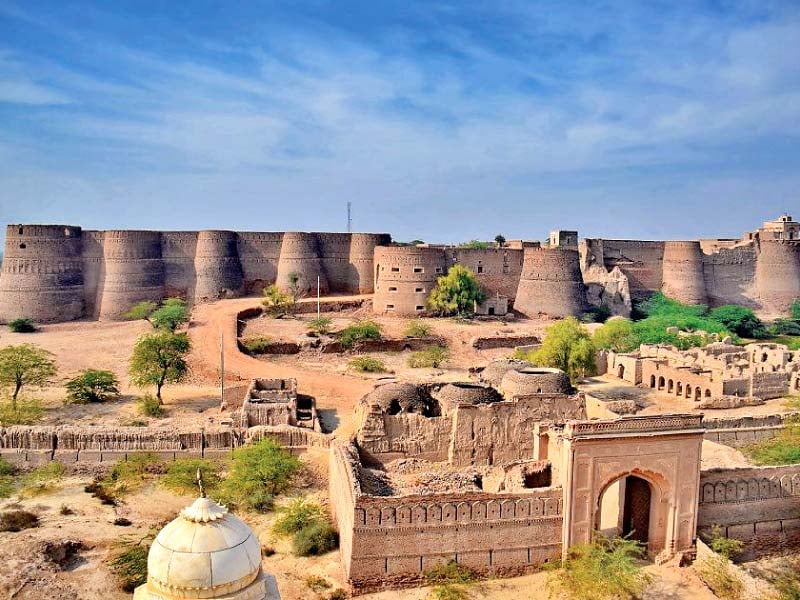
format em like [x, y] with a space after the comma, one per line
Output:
[419, 290]
[392, 289]
[390, 307]
[420, 307]
[480, 268]
[438, 269]
[395, 269]
[505, 269]
[419, 270]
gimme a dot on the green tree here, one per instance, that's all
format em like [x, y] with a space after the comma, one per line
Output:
[92, 385]
[23, 365]
[258, 473]
[567, 346]
[277, 302]
[500, 240]
[172, 314]
[740, 320]
[456, 293]
[616, 335]
[475, 245]
[794, 311]
[141, 311]
[159, 358]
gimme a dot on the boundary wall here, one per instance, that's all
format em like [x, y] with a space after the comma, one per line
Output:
[54, 273]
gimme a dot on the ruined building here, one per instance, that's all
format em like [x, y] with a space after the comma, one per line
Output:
[58, 273]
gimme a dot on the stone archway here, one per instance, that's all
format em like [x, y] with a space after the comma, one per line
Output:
[659, 454]
[625, 508]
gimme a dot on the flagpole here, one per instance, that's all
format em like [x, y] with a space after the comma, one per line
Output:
[317, 297]
[222, 367]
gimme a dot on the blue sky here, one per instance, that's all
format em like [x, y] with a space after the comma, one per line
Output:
[444, 121]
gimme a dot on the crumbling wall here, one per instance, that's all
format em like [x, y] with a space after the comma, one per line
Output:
[758, 505]
[641, 261]
[730, 276]
[742, 431]
[383, 437]
[769, 385]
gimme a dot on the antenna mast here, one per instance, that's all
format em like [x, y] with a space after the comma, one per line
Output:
[349, 217]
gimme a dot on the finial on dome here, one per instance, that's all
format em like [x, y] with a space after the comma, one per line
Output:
[200, 483]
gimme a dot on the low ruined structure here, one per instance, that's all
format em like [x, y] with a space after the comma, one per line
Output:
[719, 375]
[275, 402]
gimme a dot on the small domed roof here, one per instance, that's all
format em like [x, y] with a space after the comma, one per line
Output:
[206, 552]
[535, 380]
[454, 394]
[494, 371]
[394, 398]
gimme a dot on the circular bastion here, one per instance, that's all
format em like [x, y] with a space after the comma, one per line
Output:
[300, 255]
[217, 266]
[777, 275]
[551, 283]
[682, 272]
[404, 277]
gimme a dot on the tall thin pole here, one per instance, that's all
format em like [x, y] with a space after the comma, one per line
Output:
[222, 367]
[349, 218]
[317, 297]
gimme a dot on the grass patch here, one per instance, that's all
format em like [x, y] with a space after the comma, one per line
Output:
[367, 364]
[43, 480]
[181, 475]
[601, 570]
[6, 479]
[27, 412]
[317, 584]
[257, 344]
[450, 581]
[130, 565]
[129, 475]
[99, 491]
[310, 527]
[17, 520]
[150, 406]
[259, 472]
[716, 572]
[431, 357]
[783, 449]
[363, 330]
[417, 329]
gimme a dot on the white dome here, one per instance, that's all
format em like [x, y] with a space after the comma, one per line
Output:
[205, 553]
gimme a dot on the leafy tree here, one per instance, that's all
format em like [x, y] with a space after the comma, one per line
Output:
[23, 365]
[277, 302]
[740, 320]
[92, 385]
[794, 311]
[500, 240]
[616, 335]
[159, 358]
[172, 314]
[456, 293]
[21, 326]
[258, 473]
[141, 311]
[784, 327]
[567, 346]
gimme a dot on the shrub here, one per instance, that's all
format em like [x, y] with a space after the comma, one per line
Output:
[367, 364]
[316, 539]
[172, 314]
[722, 545]
[715, 571]
[320, 325]
[141, 311]
[417, 329]
[784, 327]
[449, 572]
[181, 475]
[257, 344]
[317, 584]
[616, 335]
[42, 479]
[597, 314]
[363, 330]
[258, 473]
[92, 385]
[456, 293]
[128, 475]
[567, 346]
[17, 520]
[739, 320]
[99, 491]
[277, 303]
[475, 245]
[431, 357]
[794, 310]
[21, 326]
[338, 594]
[65, 510]
[26, 412]
[130, 566]
[297, 515]
[150, 406]
[601, 570]
[6, 479]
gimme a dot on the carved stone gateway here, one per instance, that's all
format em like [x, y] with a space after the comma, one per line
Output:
[663, 451]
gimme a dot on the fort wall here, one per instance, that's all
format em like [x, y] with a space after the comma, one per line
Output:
[730, 276]
[58, 273]
[778, 275]
[550, 283]
[757, 505]
[682, 272]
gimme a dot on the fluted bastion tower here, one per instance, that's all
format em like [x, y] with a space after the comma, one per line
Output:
[217, 266]
[42, 273]
[405, 276]
[300, 255]
[551, 283]
[778, 275]
[683, 272]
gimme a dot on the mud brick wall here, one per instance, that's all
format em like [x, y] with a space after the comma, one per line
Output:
[758, 505]
[741, 431]
[769, 385]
